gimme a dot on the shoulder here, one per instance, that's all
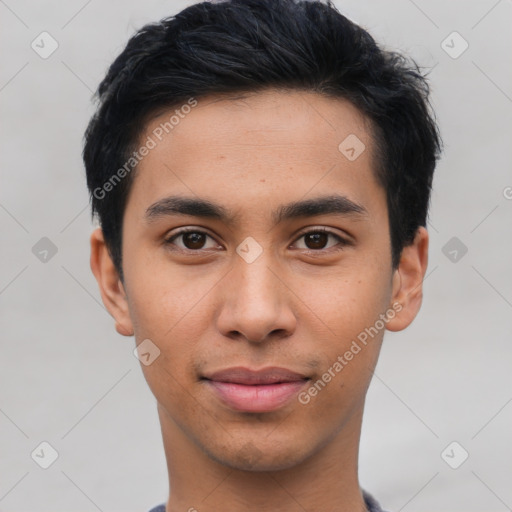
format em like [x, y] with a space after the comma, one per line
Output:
[372, 504]
[158, 508]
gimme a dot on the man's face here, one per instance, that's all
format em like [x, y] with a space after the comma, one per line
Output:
[254, 291]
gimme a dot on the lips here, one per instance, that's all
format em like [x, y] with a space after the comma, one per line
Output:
[246, 390]
[270, 375]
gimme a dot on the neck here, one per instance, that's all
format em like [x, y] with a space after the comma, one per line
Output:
[327, 480]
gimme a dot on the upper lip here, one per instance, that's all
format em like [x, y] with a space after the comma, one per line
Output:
[269, 375]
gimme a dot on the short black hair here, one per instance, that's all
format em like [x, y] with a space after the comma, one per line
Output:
[238, 46]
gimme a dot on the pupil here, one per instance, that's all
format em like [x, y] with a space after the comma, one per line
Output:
[318, 239]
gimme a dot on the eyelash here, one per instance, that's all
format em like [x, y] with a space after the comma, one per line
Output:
[341, 241]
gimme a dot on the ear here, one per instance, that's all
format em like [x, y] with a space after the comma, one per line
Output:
[408, 281]
[111, 288]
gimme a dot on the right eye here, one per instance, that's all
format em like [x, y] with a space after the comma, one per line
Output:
[192, 240]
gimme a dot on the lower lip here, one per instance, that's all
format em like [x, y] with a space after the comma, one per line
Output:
[256, 398]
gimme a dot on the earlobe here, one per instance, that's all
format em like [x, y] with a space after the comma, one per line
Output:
[111, 288]
[120, 328]
[408, 278]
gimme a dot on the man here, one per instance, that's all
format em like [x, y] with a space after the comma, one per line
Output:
[261, 170]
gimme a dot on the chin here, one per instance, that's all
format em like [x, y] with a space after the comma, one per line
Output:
[254, 456]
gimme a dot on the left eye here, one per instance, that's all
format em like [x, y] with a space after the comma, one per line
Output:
[317, 239]
[194, 240]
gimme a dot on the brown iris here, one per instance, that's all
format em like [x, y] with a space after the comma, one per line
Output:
[318, 239]
[194, 240]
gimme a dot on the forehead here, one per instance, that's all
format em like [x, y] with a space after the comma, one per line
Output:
[268, 146]
[265, 119]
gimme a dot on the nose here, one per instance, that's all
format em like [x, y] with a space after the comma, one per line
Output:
[256, 303]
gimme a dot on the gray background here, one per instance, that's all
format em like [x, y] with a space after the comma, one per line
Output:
[67, 378]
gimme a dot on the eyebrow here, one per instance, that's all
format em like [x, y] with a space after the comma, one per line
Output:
[196, 207]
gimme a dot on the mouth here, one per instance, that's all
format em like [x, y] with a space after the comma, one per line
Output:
[247, 390]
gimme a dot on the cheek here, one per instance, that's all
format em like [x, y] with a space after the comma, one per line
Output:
[167, 310]
[344, 304]
[346, 311]
[171, 306]
[164, 297]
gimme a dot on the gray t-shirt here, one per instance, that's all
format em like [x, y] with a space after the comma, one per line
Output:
[371, 504]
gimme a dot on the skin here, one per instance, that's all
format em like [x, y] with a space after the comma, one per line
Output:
[288, 308]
